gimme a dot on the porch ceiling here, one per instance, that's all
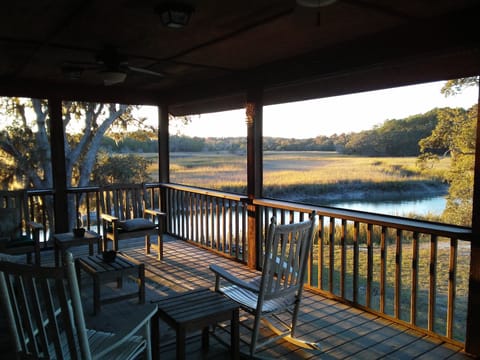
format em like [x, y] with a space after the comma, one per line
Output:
[293, 52]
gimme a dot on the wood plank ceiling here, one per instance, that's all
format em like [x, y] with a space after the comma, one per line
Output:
[292, 52]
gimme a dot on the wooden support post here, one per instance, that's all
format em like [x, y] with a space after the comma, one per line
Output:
[254, 118]
[57, 148]
[163, 160]
[163, 148]
[472, 340]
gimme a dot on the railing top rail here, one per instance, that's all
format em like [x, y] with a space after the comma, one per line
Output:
[203, 191]
[453, 231]
[83, 189]
[39, 192]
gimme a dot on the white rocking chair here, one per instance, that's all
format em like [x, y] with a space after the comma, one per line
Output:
[45, 317]
[280, 286]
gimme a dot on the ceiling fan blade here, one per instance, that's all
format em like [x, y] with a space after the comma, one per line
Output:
[81, 64]
[145, 71]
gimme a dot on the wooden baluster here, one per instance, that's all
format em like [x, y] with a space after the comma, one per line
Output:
[414, 288]
[452, 285]
[321, 237]
[383, 268]
[433, 282]
[368, 292]
[331, 251]
[398, 273]
[343, 259]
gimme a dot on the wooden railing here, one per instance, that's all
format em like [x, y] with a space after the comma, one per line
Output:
[211, 219]
[412, 272]
[41, 211]
[85, 203]
[83, 210]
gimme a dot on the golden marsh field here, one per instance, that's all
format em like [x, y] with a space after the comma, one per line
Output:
[301, 176]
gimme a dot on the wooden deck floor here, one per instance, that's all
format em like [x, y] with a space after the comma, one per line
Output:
[343, 332]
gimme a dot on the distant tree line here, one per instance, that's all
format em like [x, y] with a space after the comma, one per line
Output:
[392, 138]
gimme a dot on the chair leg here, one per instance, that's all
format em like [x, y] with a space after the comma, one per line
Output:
[37, 256]
[147, 244]
[255, 331]
[160, 246]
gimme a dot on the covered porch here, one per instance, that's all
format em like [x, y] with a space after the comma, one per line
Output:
[235, 56]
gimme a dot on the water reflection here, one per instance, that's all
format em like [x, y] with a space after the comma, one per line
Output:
[431, 206]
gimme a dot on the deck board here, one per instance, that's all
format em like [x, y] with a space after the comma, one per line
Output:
[344, 332]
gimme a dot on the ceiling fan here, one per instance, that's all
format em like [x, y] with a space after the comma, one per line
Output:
[112, 67]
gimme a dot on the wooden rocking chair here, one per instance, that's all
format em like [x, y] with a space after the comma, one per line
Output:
[279, 288]
[44, 312]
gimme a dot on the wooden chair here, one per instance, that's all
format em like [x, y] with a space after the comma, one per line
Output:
[44, 312]
[125, 216]
[279, 288]
[18, 235]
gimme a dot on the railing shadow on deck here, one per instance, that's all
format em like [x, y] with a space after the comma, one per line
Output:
[408, 271]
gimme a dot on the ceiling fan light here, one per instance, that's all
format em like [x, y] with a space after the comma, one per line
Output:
[113, 77]
[174, 15]
[315, 3]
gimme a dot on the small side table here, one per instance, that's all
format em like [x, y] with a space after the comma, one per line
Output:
[63, 241]
[195, 310]
[100, 271]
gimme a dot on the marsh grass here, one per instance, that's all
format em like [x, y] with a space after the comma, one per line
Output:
[301, 175]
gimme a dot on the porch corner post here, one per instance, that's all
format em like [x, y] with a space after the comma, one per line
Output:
[163, 159]
[57, 149]
[472, 339]
[163, 145]
[254, 119]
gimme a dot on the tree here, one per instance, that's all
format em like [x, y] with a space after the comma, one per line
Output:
[25, 147]
[120, 169]
[454, 87]
[25, 144]
[455, 136]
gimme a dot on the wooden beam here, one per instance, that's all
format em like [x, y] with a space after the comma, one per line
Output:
[57, 148]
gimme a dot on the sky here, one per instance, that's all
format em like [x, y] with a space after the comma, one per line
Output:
[327, 116]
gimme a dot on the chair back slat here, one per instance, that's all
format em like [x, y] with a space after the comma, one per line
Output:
[40, 307]
[35, 314]
[286, 257]
[124, 201]
[48, 293]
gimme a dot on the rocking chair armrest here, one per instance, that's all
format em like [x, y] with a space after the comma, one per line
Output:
[154, 212]
[222, 273]
[108, 218]
[120, 337]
